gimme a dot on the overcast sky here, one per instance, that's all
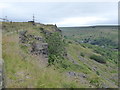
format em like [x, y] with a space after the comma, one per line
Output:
[63, 13]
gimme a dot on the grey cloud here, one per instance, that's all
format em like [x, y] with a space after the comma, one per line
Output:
[55, 12]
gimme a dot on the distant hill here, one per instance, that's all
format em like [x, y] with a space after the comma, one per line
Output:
[91, 33]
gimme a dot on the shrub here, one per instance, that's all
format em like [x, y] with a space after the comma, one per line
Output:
[70, 42]
[82, 54]
[97, 72]
[99, 59]
[41, 28]
[55, 47]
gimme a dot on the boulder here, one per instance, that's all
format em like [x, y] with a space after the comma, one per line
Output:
[22, 33]
[38, 38]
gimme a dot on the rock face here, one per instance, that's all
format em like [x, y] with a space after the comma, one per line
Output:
[23, 37]
[36, 44]
[40, 48]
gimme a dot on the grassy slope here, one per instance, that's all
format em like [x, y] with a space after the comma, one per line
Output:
[106, 72]
[25, 70]
[76, 33]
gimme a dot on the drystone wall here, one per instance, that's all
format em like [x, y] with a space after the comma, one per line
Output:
[2, 74]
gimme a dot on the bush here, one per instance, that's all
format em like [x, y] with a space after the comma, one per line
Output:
[97, 73]
[99, 59]
[55, 47]
[82, 54]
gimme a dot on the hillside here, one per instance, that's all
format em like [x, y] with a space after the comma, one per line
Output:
[38, 56]
[93, 34]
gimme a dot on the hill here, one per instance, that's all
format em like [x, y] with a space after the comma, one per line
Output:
[38, 56]
[97, 35]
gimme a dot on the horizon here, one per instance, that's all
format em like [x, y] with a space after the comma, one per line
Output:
[102, 25]
[64, 14]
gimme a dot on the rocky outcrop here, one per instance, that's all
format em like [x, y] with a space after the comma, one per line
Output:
[47, 32]
[36, 44]
[40, 49]
[74, 74]
[22, 36]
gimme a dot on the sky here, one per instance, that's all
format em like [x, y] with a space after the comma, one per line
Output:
[63, 14]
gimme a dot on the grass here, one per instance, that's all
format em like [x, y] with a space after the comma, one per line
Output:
[75, 34]
[27, 71]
